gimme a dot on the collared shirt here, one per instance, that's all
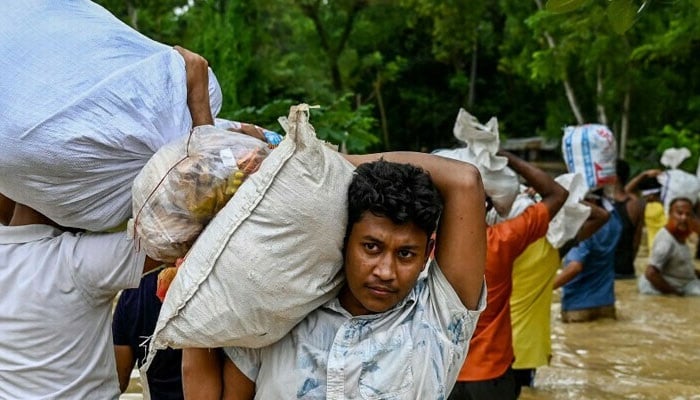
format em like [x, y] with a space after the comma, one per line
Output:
[55, 311]
[413, 351]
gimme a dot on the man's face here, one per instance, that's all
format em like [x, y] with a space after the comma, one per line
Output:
[681, 212]
[382, 263]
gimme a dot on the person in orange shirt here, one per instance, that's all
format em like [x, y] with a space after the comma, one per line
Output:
[487, 373]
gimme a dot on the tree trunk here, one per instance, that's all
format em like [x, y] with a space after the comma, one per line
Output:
[312, 10]
[625, 124]
[382, 111]
[602, 116]
[133, 15]
[570, 95]
[472, 76]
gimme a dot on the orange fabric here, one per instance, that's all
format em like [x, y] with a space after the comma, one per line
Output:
[491, 348]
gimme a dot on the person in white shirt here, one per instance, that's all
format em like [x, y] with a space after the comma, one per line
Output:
[671, 269]
[57, 287]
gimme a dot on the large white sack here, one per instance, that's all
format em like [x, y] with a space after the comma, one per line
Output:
[500, 182]
[590, 150]
[270, 256]
[86, 101]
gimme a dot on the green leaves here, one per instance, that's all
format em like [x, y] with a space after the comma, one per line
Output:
[621, 15]
[563, 6]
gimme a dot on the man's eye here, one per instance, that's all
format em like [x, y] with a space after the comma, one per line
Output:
[406, 254]
[370, 246]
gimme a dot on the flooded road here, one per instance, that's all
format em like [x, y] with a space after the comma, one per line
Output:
[652, 351]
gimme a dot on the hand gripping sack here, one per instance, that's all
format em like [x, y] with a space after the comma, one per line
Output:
[86, 101]
[590, 150]
[270, 256]
[186, 183]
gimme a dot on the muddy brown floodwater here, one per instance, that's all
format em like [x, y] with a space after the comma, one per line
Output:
[652, 351]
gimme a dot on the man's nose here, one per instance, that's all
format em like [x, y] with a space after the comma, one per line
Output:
[384, 269]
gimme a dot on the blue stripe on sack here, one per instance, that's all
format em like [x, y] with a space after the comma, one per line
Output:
[587, 162]
[569, 150]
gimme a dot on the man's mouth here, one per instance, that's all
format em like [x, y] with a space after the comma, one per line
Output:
[381, 290]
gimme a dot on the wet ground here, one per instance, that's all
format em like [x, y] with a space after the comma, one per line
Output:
[652, 351]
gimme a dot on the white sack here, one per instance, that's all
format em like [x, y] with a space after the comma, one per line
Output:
[571, 216]
[86, 101]
[500, 182]
[590, 150]
[677, 183]
[270, 256]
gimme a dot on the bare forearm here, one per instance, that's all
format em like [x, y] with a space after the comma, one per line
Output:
[658, 281]
[197, 70]
[553, 194]
[567, 274]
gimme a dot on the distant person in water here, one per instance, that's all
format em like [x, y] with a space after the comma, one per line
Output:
[671, 269]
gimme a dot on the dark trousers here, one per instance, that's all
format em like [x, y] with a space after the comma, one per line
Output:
[524, 377]
[501, 388]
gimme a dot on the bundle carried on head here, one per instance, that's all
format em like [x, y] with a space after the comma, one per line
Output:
[590, 150]
[676, 183]
[482, 143]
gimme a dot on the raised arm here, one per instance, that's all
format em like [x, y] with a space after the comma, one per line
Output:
[553, 194]
[597, 218]
[461, 238]
[197, 69]
[631, 186]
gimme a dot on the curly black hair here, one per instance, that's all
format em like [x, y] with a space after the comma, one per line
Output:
[403, 193]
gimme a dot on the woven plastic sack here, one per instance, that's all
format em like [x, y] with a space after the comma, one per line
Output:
[270, 256]
[186, 183]
[86, 101]
[500, 182]
[591, 150]
[676, 183]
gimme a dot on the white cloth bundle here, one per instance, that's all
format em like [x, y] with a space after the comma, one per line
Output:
[674, 182]
[500, 182]
[86, 101]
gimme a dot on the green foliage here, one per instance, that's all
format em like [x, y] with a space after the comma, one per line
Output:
[647, 150]
[621, 14]
[341, 124]
[400, 70]
[338, 123]
[564, 6]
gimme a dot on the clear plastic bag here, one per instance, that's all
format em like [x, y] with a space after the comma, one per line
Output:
[186, 183]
